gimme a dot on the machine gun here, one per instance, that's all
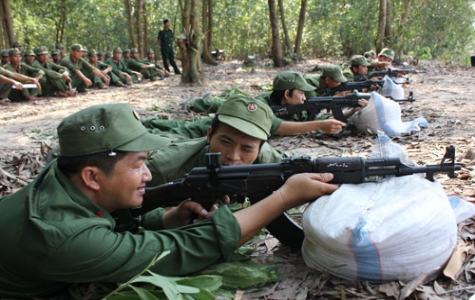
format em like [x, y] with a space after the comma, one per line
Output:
[314, 105]
[255, 182]
[393, 73]
[356, 85]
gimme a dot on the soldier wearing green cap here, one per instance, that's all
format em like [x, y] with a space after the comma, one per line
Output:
[165, 40]
[61, 50]
[56, 56]
[104, 68]
[10, 80]
[136, 75]
[100, 56]
[331, 77]
[16, 66]
[151, 60]
[29, 57]
[383, 62]
[357, 68]
[148, 71]
[79, 68]
[119, 67]
[59, 230]
[289, 88]
[5, 57]
[57, 77]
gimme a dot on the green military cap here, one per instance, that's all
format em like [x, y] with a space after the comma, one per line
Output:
[42, 50]
[59, 46]
[84, 49]
[55, 51]
[117, 50]
[126, 51]
[5, 52]
[150, 51]
[28, 53]
[334, 72]
[105, 127]
[248, 115]
[13, 51]
[92, 52]
[290, 80]
[108, 54]
[389, 53]
[358, 60]
[99, 53]
[77, 47]
[134, 50]
[17, 44]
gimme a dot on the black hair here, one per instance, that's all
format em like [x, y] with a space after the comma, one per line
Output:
[165, 21]
[276, 96]
[74, 164]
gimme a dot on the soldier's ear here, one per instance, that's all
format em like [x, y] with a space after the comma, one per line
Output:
[208, 135]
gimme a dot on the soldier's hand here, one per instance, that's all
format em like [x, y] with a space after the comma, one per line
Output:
[88, 82]
[18, 85]
[37, 83]
[330, 126]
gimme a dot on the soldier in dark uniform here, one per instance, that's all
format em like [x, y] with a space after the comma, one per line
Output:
[165, 40]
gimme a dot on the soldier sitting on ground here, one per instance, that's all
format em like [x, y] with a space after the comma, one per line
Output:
[148, 71]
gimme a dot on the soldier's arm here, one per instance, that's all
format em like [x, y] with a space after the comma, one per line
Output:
[23, 78]
[5, 79]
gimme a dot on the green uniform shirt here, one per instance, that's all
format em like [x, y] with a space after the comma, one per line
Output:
[179, 157]
[80, 64]
[166, 36]
[25, 69]
[52, 235]
[155, 63]
[51, 69]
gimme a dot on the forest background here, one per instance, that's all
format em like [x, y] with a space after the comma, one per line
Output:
[436, 29]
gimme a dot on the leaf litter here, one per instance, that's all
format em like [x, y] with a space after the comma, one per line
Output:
[443, 99]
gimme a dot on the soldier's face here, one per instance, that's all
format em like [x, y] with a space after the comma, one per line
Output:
[117, 55]
[29, 59]
[360, 70]
[5, 59]
[127, 55]
[236, 147]
[126, 186]
[331, 83]
[135, 55]
[298, 97]
[56, 57]
[151, 56]
[15, 59]
[76, 54]
[93, 59]
[43, 58]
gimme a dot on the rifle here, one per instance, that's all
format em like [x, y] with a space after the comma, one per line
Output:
[357, 85]
[393, 72]
[206, 184]
[333, 103]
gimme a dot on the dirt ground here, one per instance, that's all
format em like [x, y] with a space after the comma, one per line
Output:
[444, 96]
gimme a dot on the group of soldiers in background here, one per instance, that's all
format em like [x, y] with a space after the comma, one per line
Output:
[56, 74]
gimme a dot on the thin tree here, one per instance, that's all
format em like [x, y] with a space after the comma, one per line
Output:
[8, 35]
[276, 51]
[207, 17]
[190, 45]
[288, 45]
[382, 19]
[298, 38]
[130, 22]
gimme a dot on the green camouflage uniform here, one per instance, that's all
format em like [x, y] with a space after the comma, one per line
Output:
[24, 69]
[53, 73]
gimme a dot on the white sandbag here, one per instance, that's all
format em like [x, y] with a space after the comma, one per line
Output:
[383, 114]
[391, 89]
[396, 229]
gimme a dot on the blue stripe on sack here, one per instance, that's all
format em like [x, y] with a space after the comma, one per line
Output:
[381, 116]
[454, 201]
[366, 254]
[389, 83]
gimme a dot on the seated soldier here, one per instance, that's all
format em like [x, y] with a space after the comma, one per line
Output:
[29, 57]
[100, 56]
[148, 71]
[151, 60]
[5, 57]
[58, 230]
[289, 87]
[104, 68]
[119, 67]
[136, 76]
[56, 56]
[82, 74]
[16, 66]
[107, 55]
[57, 77]
[61, 50]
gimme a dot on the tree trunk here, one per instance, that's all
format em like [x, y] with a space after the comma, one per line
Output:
[276, 51]
[388, 25]
[130, 22]
[61, 23]
[138, 25]
[288, 45]
[145, 31]
[190, 46]
[206, 12]
[298, 38]
[381, 25]
[7, 32]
